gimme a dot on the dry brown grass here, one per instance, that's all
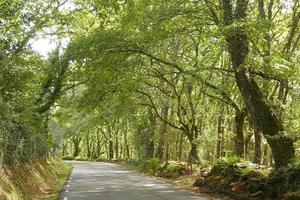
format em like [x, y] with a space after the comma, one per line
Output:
[32, 181]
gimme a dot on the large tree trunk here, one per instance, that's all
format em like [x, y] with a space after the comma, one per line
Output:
[257, 147]
[193, 154]
[239, 134]
[261, 113]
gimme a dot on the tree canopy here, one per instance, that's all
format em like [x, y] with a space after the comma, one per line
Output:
[176, 79]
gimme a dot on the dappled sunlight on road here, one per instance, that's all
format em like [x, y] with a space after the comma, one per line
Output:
[110, 182]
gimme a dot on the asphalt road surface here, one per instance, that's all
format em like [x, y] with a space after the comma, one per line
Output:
[106, 181]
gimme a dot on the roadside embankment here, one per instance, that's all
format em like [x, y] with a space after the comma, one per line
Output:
[39, 180]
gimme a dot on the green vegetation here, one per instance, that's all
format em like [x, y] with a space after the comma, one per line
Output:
[155, 167]
[37, 180]
[62, 173]
[171, 85]
[242, 181]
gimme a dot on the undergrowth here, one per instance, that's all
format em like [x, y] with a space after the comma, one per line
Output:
[233, 176]
[154, 166]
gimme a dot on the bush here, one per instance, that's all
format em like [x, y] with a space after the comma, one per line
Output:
[284, 180]
[68, 158]
[228, 167]
[101, 159]
[172, 170]
[151, 165]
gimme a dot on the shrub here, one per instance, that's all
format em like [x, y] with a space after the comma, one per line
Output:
[68, 158]
[172, 170]
[151, 165]
[100, 159]
[284, 180]
[228, 167]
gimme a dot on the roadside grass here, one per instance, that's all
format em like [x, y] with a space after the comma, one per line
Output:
[39, 180]
[57, 183]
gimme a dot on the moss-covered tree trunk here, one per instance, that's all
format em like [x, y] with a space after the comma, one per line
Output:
[261, 113]
[239, 134]
[257, 147]
[193, 154]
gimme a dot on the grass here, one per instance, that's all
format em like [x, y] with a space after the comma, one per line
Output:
[58, 183]
[39, 180]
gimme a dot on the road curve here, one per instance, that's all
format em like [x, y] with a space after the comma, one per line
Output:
[106, 181]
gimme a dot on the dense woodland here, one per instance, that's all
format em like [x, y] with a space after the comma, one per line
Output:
[180, 80]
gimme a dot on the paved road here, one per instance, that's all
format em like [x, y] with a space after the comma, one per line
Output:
[105, 181]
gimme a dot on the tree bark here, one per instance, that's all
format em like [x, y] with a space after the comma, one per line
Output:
[110, 146]
[220, 140]
[257, 147]
[264, 118]
[163, 131]
[127, 153]
[239, 131]
[193, 154]
[116, 145]
[150, 144]
[180, 146]
[76, 142]
[88, 145]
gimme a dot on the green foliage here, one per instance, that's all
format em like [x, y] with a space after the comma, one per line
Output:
[127, 89]
[154, 166]
[101, 159]
[68, 158]
[227, 167]
[284, 180]
[151, 165]
[282, 183]
[172, 169]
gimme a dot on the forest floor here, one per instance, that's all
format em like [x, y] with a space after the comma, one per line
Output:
[39, 180]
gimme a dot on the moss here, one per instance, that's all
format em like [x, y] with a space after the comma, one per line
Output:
[284, 180]
[243, 182]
